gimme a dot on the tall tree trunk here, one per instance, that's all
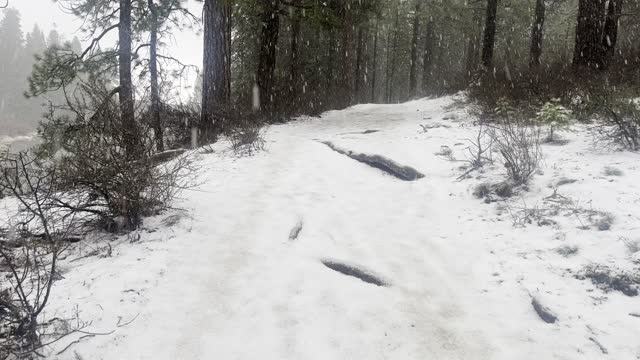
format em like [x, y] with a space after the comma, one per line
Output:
[413, 73]
[589, 51]
[267, 55]
[427, 61]
[359, 62]
[509, 65]
[228, 11]
[365, 60]
[348, 81]
[215, 88]
[331, 63]
[469, 68]
[295, 81]
[473, 51]
[489, 38]
[153, 71]
[387, 75]
[537, 35]
[610, 36]
[131, 132]
[374, 67]
[391, 62]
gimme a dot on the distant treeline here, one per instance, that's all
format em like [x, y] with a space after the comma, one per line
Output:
[19, 115]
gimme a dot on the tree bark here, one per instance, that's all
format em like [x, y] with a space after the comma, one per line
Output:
[427, 60]
[473, 48]
[294, 87]
[470, 53]
[359, 62]
[413, 73]
[610, 36]
[130, 129]
[153, 72]
[228, 8]
[588, 51]
[215, 77]
[348, 68]
[489, 38]
[330, 62]
[387, 75]
[267, 54]
[374, 67]
[537, 35]
[391, 62]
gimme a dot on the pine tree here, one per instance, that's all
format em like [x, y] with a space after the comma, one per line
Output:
[215, 76]
[11, 70]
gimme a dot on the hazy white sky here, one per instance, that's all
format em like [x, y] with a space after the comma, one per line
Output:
[46, 14]
[186, 46]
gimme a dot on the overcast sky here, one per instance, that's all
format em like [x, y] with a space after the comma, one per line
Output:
[186, 46]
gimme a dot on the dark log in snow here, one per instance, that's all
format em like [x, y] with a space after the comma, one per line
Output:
[545, 314]
[165, 156]
[353, 271]
[405, 173]
[295, 232]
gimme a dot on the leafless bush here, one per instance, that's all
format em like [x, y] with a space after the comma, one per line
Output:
[446, 153]
[45, 216]
[98, 176]
[247, 138]
[480, 149]
[525, 215]
[619, 113]
[28, 254]
[519, 145]
[625, 121]
[554, 207]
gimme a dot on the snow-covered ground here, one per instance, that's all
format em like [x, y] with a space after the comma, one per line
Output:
[221, 279]
[17, 143]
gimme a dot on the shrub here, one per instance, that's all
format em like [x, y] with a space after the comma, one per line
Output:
[519, 144]
[96, 173]
[620, 115]
[29, 253]
[247, 138]
[555, 116]
[612, 171]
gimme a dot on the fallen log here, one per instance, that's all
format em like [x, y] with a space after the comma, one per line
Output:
[545, 314]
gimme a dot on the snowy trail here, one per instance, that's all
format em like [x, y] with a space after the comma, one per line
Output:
[330, 194]
[231, 285]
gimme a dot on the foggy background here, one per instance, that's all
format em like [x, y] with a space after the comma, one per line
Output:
[19, 117]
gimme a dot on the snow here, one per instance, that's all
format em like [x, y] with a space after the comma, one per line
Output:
[17, 143]
[222, 278]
